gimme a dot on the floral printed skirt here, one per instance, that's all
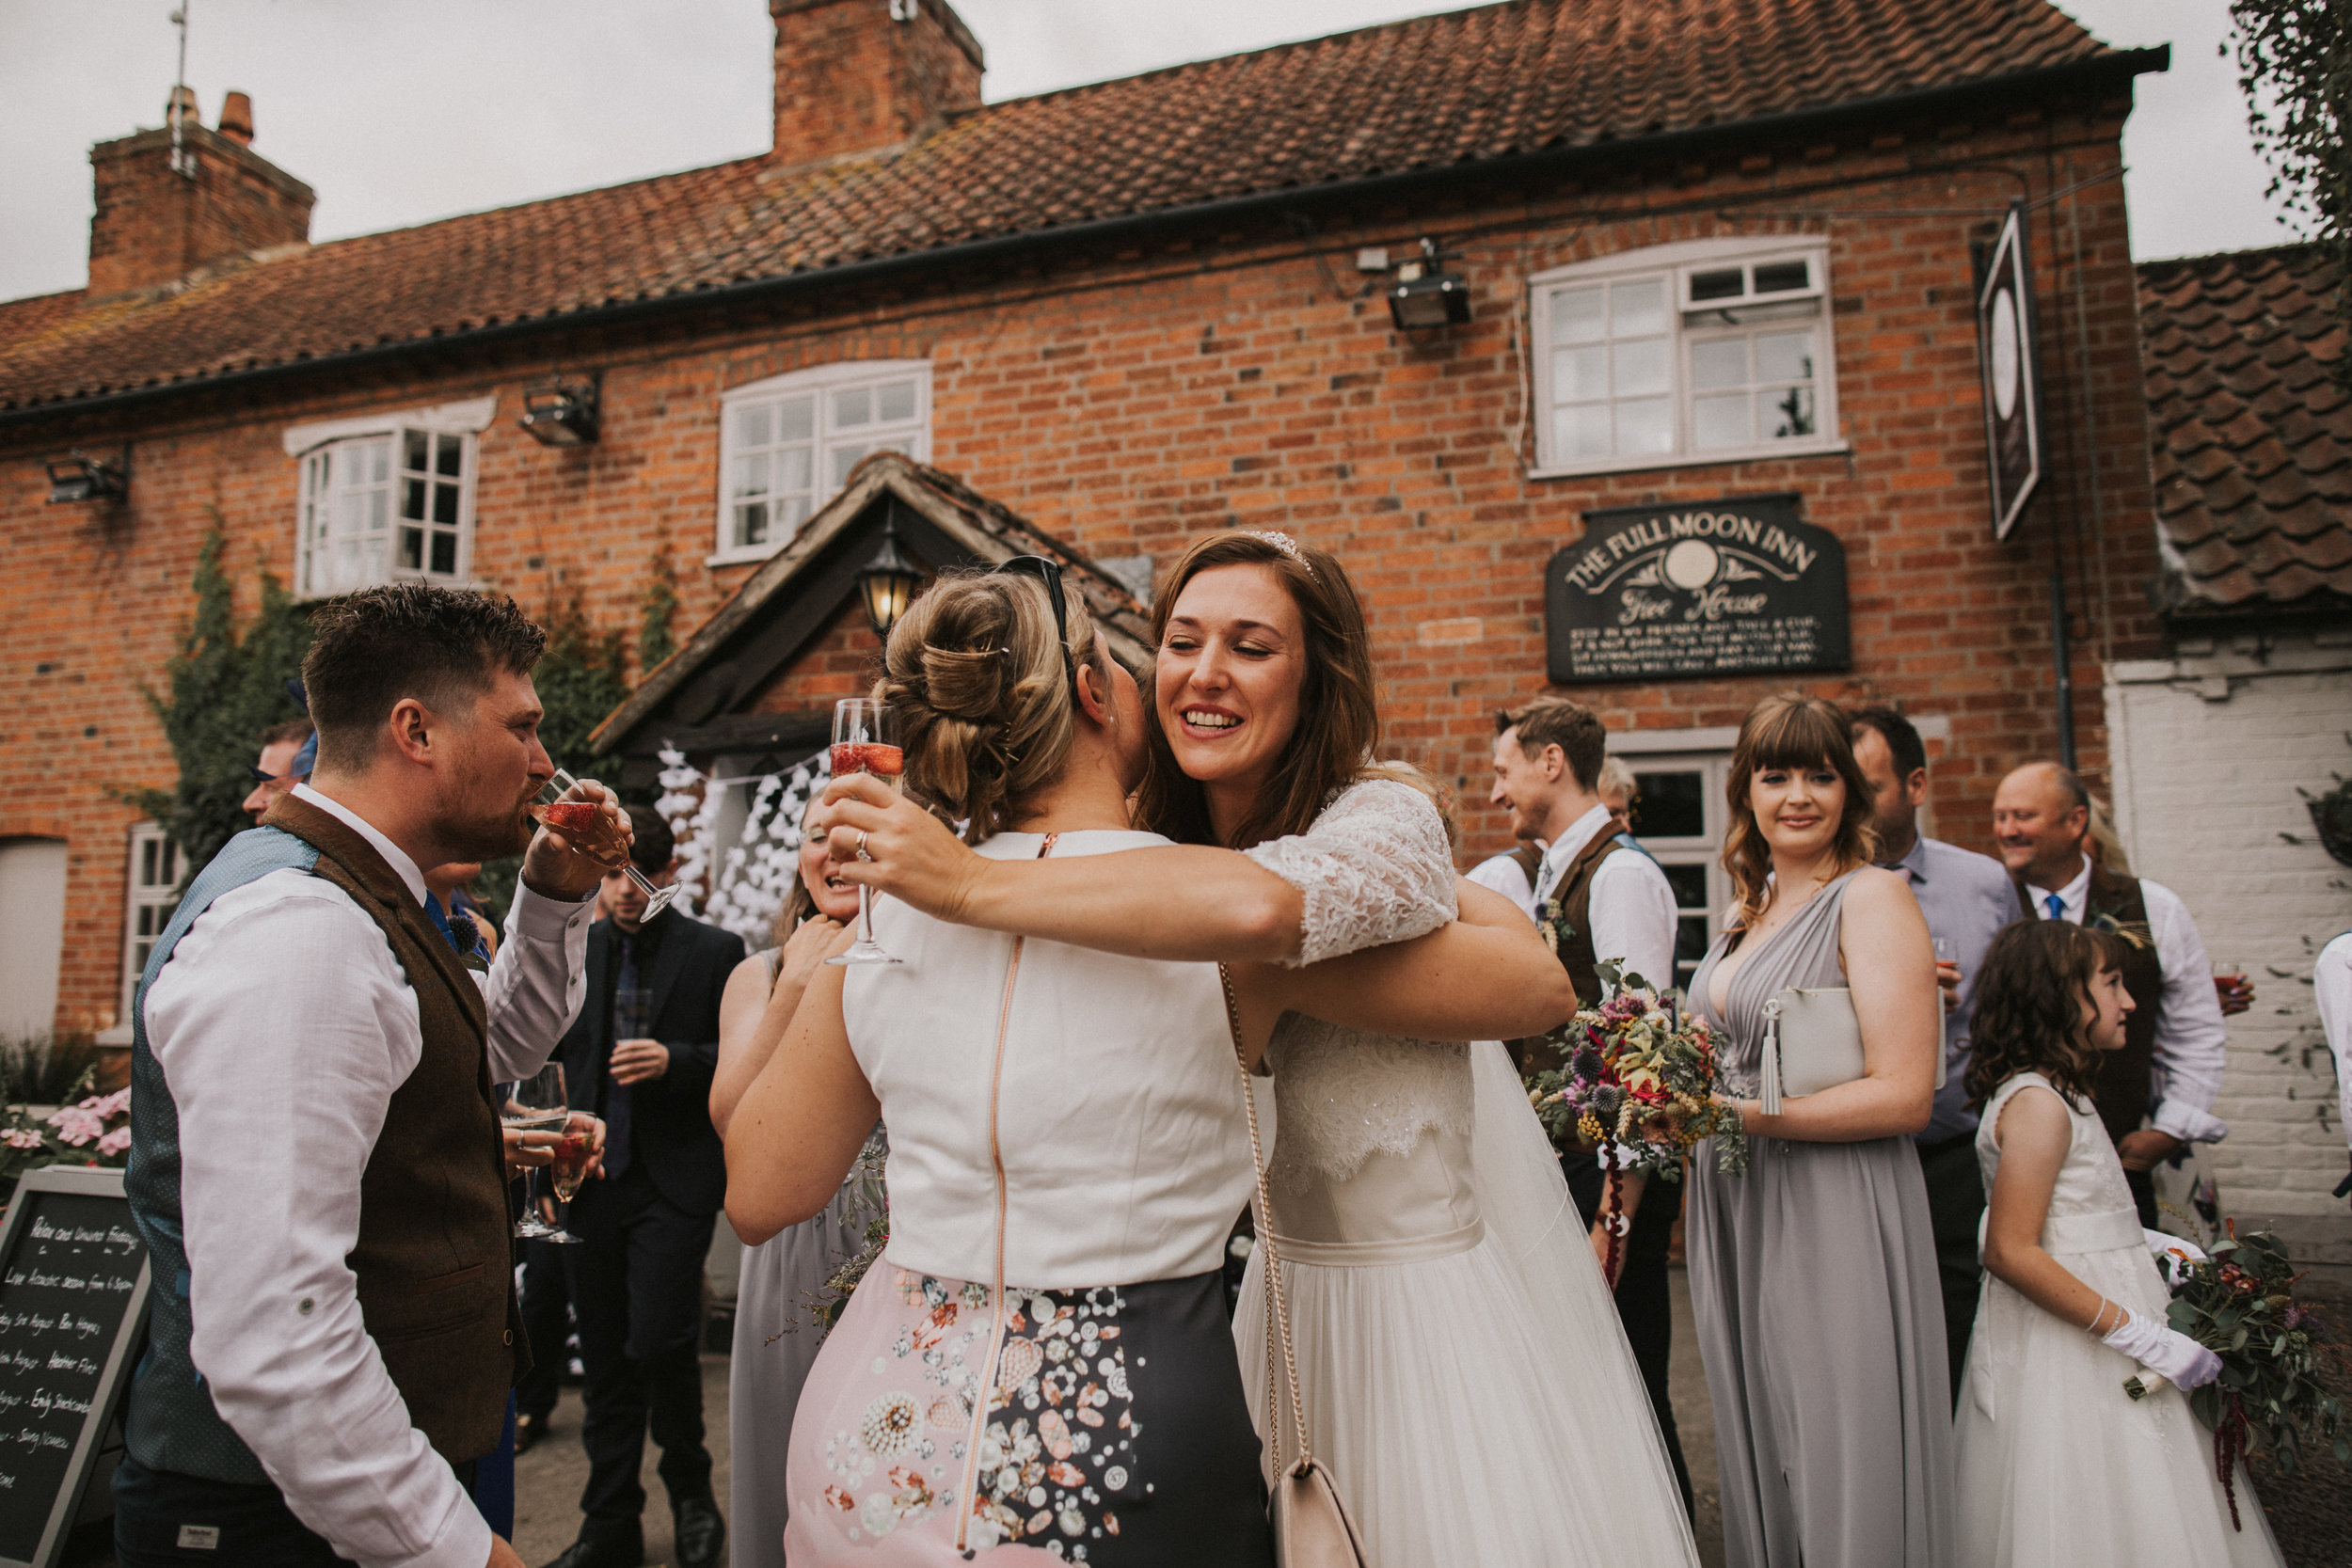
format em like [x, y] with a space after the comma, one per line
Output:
[1113, 1431]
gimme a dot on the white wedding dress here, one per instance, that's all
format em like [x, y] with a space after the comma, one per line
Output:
[1464, 1373]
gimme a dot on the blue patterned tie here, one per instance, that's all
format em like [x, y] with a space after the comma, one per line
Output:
[2056, 905]
[628, 1022]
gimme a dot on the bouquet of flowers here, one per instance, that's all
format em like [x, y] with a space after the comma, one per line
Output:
[1640, 1075]
[2239, 1303]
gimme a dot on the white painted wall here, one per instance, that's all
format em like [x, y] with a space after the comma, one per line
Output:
[2209, 750]
[32, 933]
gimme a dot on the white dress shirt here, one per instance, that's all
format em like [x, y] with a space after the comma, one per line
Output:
[282, 1024]
[1632, 908]
[2331, 978]
[2191, 1044]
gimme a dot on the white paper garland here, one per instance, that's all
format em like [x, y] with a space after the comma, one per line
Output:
[737, 886]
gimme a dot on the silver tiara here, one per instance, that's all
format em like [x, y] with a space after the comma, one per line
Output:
[1282, 542]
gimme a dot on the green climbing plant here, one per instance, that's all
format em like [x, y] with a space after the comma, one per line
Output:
[222, 688]
[654, 642]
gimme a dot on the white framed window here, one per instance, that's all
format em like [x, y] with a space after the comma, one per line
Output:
[387, 497]
[151, 892]
[786, 444]
[1703, 352]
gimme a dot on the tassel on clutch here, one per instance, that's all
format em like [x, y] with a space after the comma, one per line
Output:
[1769, 1098]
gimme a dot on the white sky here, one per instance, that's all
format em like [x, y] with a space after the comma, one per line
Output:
[397, 112]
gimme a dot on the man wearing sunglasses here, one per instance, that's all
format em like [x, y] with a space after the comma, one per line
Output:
[288, 752]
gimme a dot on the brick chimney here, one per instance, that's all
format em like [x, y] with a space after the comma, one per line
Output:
[861, 75]
[155, 224]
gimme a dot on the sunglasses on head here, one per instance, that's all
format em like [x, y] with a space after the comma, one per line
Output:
[1049, 573]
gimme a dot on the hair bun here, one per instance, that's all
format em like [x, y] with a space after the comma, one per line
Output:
[965, 683]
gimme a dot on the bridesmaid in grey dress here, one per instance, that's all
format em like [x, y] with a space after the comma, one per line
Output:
[775, 1339]
[1813, 1276]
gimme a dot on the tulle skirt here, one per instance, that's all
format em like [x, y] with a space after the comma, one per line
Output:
[2058, 1469]
[1480, 1408]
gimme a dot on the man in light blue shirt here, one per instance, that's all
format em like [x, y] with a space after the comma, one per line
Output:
[1966, 899]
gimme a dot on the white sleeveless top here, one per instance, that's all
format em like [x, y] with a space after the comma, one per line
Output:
[1119, 1112]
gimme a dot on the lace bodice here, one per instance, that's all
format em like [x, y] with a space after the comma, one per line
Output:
[2091, 1180]
[1373, 868]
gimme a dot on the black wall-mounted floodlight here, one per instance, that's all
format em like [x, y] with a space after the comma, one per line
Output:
[562, 413]
[78, 477]
[887, 583]
[1424, 296]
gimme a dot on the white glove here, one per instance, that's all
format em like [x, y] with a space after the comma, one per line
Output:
[2159, 1349]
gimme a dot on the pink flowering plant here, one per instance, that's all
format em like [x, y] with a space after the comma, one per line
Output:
[90, 1128]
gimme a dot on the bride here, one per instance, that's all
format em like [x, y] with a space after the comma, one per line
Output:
[1466, 1379]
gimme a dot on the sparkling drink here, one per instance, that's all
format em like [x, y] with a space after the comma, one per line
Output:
[866, 740]
[570, 1167]
[537, 1105]
[885, 763]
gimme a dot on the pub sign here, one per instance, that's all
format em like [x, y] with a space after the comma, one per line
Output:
[1738, 586]
[2013, 391]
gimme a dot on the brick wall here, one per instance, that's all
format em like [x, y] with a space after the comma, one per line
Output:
[2210, 751]
[1130, 401]
[850, 78]
[152, 226]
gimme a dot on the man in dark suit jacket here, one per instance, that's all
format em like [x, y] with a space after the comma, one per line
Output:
[641, 1055]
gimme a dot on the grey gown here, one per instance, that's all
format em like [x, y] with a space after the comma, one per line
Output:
[775, 1343]
[1820, 1315]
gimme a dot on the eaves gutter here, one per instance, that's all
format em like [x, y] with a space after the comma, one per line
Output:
[2122, 65]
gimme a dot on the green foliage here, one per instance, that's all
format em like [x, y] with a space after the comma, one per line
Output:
[654, 642]
[2295, 66]
[44, 1068]
[223, 687]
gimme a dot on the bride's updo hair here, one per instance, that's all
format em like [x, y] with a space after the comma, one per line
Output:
[982, 693]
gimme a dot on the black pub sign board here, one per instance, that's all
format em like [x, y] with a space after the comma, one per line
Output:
[1738, 586]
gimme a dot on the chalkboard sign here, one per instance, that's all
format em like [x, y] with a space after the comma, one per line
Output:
[72, 1307]
[1705, 588]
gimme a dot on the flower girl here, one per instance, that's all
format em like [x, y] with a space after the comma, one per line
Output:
[2057, 1465]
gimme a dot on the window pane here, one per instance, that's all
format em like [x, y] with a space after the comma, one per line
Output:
[445, 505]
[1784, 356]
[449, 455]
[1721, 421]
[792, 468]
[794, 513]
[796, 420]
[750, 476]
[1778, 277]
[172, 864]
[379, 459]
[1579, 374]
[1646, 425]
[1637, 309]
[1670, 806]
[1786, 413]
[1689, 945]
[1718, 363]
[852, 407]
[755, 425]
[840, 460]
[349, 514]
[1640, 366]
[1575, 315]
[411, 549]
[1690, 885]
[894, 402]
[445, 553]
[373, 558]
[1582, 431]
[412, 499]
[378, 510]
[751, 524]
[149, 852]
[1718, 283]
[412, 456]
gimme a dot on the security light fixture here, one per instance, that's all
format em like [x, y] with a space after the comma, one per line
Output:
[888, 583]
[1423, 296]
[560, 413]
[77, 477]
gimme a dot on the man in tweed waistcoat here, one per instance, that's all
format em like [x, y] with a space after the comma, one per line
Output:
[316, 1163]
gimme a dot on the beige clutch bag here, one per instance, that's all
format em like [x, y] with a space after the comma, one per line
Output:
[1813, 1041]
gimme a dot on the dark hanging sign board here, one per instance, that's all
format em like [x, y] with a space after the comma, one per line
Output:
[72, 1308]
[2012, 382]
[1710, 588]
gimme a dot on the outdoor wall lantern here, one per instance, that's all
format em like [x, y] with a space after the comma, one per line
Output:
[560, 413]
[77, 477]
[1423, 296]
[887, 583]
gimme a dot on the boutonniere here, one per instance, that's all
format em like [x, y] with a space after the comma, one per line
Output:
[1553, 925]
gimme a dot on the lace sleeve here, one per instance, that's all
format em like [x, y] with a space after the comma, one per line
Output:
[1374, 868]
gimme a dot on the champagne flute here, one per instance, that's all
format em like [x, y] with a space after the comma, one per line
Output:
[537, 1104]
[866, 740]
[582, 822]
[570, 1166]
